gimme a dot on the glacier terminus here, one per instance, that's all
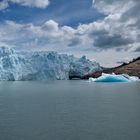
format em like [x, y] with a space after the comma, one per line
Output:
[40, 65]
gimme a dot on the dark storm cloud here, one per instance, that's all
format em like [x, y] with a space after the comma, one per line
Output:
[103, 40]
[137, 49]
[111, 41]
[74, 42]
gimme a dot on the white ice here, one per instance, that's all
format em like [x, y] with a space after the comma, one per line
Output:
[114, 78]
[42, 65]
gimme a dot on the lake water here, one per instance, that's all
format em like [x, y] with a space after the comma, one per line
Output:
[69, 110]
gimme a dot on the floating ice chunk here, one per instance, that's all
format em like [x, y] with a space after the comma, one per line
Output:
[131, 78]
[111, 78]
[92, 79]
[114, 78]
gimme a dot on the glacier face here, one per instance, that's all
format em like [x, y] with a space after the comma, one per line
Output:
[42, 65]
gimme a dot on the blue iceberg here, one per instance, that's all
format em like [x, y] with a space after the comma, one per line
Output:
[114, 78]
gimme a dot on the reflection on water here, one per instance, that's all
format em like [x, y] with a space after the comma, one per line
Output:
[69, 110]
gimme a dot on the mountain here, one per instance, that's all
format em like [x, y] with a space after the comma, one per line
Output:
[42, 65]
[132, 68]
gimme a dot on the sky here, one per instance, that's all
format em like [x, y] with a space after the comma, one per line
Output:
[107, 31]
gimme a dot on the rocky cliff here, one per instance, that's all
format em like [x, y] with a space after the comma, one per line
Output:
[132, 68]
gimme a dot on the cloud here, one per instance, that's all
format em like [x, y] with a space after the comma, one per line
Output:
[23, 35]
[137, 49]
[112, 6]
[120, 27]
[119, 30]
[30, 3]
[94, 35]
[74, 42]
[3, 5]
[104, 40]
[50, 25]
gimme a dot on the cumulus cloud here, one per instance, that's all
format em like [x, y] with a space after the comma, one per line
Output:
[137, 49]
[104, 40]
[3, 5]
[31, 3]
[74, 42]
[112, 6]
[121, 26]
[23, 35]
[119, 30]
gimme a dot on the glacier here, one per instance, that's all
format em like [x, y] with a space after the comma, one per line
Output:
[114, 78]
[41, 65]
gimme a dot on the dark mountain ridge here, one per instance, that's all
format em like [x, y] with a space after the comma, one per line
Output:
[132, 68]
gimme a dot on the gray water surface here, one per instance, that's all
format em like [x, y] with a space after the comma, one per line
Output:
[69, 110]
